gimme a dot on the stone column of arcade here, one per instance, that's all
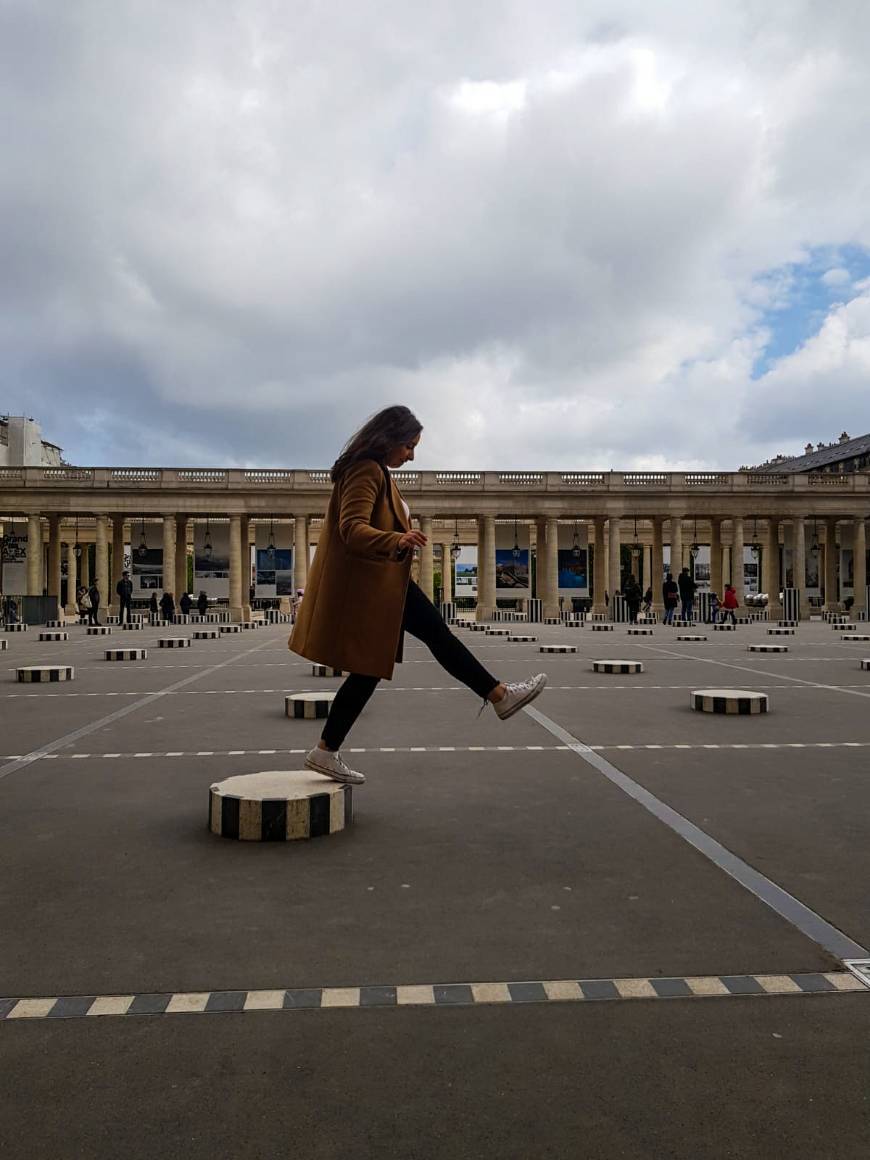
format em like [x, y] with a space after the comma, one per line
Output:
[737, 552]
[599, 564]
[676, 564]
[446, 573]
[859, 556]
[832, 596]
[180, 557]
[101, 561]
[54, 560]
[117, 563]
[71, 580]
[485, 567]
[770, 569]
[657, 565]
[169, 556]
[427, 559]
[300, 553]
[716, 556]
[235, 568]
[799, 566]
[245, 534]
[34, 556]
[551, 572]
[540, 558]
[614, 567]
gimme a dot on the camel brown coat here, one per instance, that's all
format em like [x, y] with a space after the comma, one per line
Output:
[351, 614]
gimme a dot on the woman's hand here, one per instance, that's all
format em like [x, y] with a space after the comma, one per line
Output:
[412, 540]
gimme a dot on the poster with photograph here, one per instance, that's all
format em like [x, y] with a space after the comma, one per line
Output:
[274, 568]
[147, 574]
[511, 572]
[573, 570]
[15, 562]
[211, 570]
[466, 573]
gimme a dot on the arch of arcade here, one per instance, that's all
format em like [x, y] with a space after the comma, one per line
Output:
[790, 521]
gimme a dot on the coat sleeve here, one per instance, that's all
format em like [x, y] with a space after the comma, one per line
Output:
[359, 492]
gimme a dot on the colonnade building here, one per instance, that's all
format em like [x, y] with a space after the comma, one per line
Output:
[803, 531]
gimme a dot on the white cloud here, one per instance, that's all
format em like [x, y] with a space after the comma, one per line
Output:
[556, 231]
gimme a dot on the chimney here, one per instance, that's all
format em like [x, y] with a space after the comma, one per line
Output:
[844, 437]
[820, 447]
[808, 450]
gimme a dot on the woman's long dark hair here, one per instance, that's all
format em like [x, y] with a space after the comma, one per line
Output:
[378, 436]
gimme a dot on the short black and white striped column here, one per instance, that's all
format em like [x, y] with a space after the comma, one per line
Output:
[498, 632]
[132, 626]
[787, 624]
[780, 632]
[98, 630]
[855, 636]
[768, 648]
[205, 634]
[279, 806]
[572, 623]
[126, 654]
[55, 624]
[4, 644]
[113, 620]
[552, 620]
[640, 632]
[742, 702]
[181, 618]
[865, 664]
[38, 674]
[724, 628]
[310, 706]
[601, 627]
[227, 628]
[522, 639]
[173, 642]
[617, 666]
[477, 626]
[557, 648]
[54, 635]
[689, 636]
[844, 626]
[325, 671]
[17, 626]
[247, 625]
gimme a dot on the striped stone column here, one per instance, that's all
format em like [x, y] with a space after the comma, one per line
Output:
[716, 556]
[799, 565]
[300, 552]
[117, 561]
[169, 554]
[34, 556]
[551, 586]
[54, 559]
[737, 552]
[832, 596]
[859, 556]
[235, 568]
[101, 559]
[599, 563]
[427, 559]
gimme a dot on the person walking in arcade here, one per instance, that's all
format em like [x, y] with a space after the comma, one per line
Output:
[360, 598]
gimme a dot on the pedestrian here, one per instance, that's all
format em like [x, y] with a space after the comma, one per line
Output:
[11, 614]
[360, 599]
[670, 596]
[730, 603]
[202, 604]
[294, 604]
[167, 606]
[647, 600]
[94, 611]
[686, 586]
[154, 608]
[631, 592]
[185, 604]
[713, 607]
[84, 602]
[124, 589]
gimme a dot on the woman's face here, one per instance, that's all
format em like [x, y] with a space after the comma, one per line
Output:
[404, 453]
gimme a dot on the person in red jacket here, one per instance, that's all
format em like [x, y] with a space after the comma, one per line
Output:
[729, 603]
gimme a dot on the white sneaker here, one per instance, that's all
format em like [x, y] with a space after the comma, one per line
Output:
[518, 694]
[331, 765]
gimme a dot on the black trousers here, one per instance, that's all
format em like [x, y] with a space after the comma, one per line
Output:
[126, 606]
[93, 615]
[422, 620]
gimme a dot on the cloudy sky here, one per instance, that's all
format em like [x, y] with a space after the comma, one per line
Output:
[568, 233]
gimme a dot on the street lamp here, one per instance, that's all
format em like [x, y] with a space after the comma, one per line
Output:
[693, 547]
[142, 550]
[206, 547]
[755, 547]
[576, 550]
[814, 545]
[77, 549]
[455, 547]
[516, 548]
[270, 548]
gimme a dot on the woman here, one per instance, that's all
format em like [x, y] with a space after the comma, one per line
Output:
[360, 599]
[730, 604]
[154, 608]
[167, 606]
[202, 603]
[670, 598]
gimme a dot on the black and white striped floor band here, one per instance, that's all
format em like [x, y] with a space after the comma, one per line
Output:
[435, 995]
[780, 632]
[856, 636]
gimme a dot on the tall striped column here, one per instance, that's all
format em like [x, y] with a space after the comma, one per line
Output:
[485, 567]
[446, 573]
[34, 556]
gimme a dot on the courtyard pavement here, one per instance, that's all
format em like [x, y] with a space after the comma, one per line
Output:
[608, 927]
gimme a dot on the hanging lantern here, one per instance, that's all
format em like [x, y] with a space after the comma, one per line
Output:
[206, 547]
[814, 545]
[77, 550]
[455, 547]
[270, 547]
[142, 550]
[516, 548]
[576, 550]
